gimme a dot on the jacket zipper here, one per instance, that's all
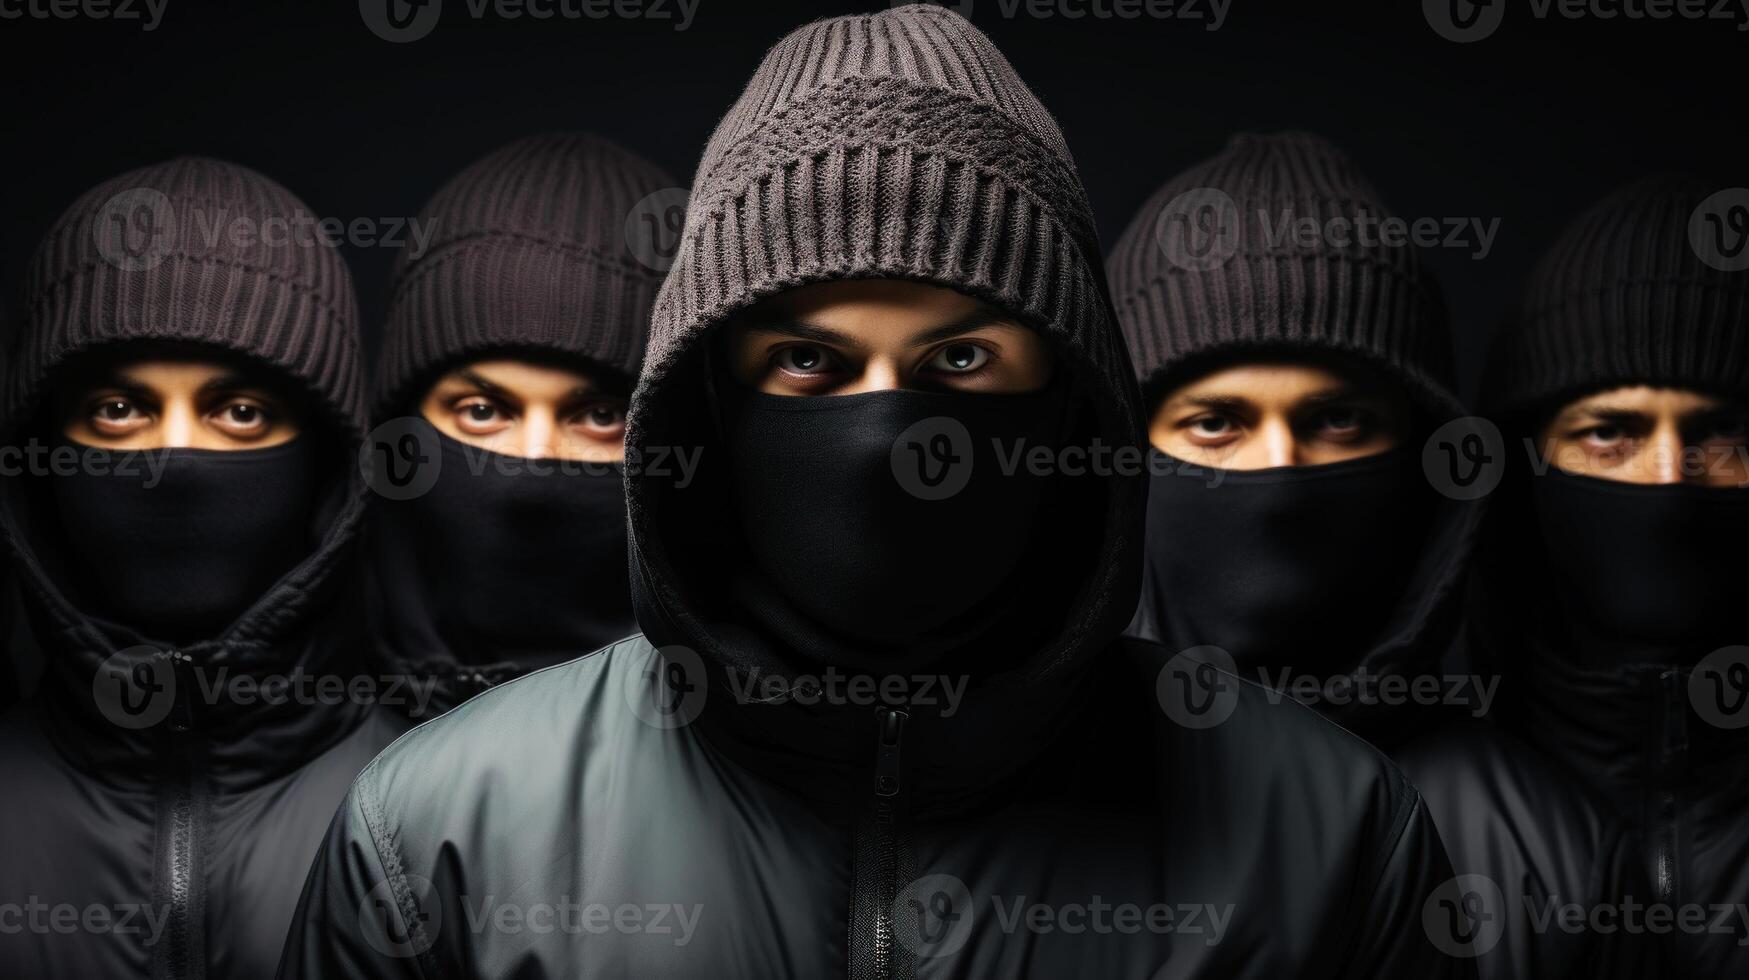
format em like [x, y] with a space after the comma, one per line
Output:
[881, 860]
[182, 953]
[1672, 758]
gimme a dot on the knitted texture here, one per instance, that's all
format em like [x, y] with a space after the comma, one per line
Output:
[1624, 297]
[530, 250]
[1213, 263]
[195, 251]
[896, 145]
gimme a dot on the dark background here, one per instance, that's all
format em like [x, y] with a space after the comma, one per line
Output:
[1528, 125]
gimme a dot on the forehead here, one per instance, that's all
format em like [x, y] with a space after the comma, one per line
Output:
[1643, 400]
[528, 379]
[1276, 380]
[168, 374]
[872, 311]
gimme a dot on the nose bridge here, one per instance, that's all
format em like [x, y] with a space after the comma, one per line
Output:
[539, 431]
[1662, 461]
[880, 373]
[179, 422]
[1277, 435]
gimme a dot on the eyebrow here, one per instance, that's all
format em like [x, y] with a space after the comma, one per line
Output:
[985, 315]
[480, 381]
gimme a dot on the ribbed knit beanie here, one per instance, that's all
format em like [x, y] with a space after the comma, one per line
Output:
[1625, 296]
[894, 145]
[193, 251]
[1214, 264]
[531, 248]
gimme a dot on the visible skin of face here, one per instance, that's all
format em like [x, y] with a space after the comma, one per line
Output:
[177, 404]
[850, 337]
[1266, 414]
[528, 409]
[1641, 434]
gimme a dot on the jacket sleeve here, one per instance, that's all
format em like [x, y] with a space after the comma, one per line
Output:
[1393, 938]
[356, 919]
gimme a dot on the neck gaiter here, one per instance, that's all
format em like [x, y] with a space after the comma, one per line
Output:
[179, 553]
[1286, 566]
[886, 527]
[506, 560]
[1646, 571]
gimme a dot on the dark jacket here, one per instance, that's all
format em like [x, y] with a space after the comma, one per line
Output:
[760, 812]
[1510, 817]
[160, 802]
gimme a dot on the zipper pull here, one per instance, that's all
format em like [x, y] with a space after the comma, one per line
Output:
[892, 725]
[182, 712]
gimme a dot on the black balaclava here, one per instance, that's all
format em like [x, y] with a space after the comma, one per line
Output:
[1656, 567]
[507, 558]
[896, 518]
[1297, 564]
[496, 573]
[181, 554]
[1334, 569]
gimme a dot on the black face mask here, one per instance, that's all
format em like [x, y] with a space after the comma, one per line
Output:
[507, 559]
[1647, 566]
[1292, 565]
[897, 547]
[181, 558]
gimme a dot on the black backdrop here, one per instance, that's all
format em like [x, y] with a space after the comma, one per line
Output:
[1526, 126]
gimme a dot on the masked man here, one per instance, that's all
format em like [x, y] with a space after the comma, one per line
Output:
[515, 333]
[881, 722]
[186, 380]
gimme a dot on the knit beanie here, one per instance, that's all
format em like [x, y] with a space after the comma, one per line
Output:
[894, 145]
[192, 251]
[1215, 263]
[1627, 295]
[900, 145]
[536, 247]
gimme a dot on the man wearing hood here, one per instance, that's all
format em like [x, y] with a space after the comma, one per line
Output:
[881, 722]
[1613, 577]
[1295, 358]
[515, 334]
[185, 384]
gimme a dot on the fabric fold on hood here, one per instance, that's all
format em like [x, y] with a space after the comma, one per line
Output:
[132, 264]
[1212, 271]
[548, 249]
[899, 145]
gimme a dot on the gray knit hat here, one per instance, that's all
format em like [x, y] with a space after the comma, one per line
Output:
[894, 145]
[194, 251]
[1205, 268]
[1625, 296]
[530, 250]
[899, 145]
